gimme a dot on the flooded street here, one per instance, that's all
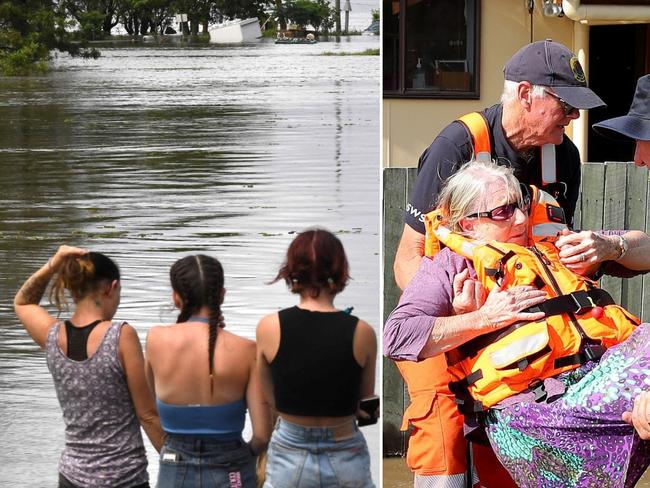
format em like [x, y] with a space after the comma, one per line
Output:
[149, 154]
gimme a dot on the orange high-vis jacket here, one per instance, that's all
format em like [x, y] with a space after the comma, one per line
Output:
[581, 319]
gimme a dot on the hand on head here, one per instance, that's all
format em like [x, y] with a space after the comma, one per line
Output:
[63, 253]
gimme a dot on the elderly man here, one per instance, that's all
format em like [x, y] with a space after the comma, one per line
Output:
[636, 124]
[544, 88]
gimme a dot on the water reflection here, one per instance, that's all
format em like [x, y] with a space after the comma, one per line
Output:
[149, 154]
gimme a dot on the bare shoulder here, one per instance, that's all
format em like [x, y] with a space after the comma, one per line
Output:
[128, 334]
[160, 336]
[365, 332]
[268, 324]
[237, 340]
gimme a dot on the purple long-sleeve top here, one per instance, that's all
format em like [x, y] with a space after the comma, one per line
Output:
[429, 295]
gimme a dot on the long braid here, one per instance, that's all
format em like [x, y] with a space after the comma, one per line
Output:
[213, 278]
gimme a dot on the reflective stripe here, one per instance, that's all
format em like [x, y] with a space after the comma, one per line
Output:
[519, 349]
[548, 164]
[549, 229]
[443, 481]
[442, 232]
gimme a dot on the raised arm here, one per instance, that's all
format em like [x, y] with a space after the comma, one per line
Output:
[36, 320]
[143, 399]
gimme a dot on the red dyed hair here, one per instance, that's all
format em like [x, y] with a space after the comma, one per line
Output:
[315, 261]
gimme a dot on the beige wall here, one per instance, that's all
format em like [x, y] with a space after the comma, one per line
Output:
[409, 126]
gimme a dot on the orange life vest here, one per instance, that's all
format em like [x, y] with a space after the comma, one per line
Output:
[581, 319]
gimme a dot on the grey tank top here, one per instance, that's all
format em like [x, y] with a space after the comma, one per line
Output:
[103, 443]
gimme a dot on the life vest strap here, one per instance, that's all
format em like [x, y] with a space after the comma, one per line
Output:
[537, 388]
[592, 352]
[470, 379]
[577, 302]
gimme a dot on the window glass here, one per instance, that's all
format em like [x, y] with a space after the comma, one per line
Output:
[437, 41]
[390, 35]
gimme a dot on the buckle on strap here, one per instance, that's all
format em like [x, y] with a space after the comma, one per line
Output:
[537, 388]
[583, 301]
[592, 352]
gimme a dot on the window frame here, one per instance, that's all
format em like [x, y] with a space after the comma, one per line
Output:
[473, 44]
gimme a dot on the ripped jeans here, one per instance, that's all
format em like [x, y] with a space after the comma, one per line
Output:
[308, 457]
[189, 461]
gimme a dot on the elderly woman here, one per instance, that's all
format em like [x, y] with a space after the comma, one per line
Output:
[559, 429]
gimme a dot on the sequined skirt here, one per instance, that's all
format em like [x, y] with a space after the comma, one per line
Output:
[578, 438]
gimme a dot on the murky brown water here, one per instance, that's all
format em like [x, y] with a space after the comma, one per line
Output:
[149, 154]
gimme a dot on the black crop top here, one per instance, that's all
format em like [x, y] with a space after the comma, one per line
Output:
[314, 372]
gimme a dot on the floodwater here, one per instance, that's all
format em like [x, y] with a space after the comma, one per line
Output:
[149, 154]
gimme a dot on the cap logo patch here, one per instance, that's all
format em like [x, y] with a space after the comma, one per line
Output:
[578, 74]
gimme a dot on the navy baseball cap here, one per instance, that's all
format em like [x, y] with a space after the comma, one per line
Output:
[551, 64]
[636, 124]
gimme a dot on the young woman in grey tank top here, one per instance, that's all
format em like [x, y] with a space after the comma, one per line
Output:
[98, 371]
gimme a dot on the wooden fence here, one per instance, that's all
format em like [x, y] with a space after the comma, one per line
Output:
[613, 196]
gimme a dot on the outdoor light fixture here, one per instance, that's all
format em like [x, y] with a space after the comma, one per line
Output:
[552, 8]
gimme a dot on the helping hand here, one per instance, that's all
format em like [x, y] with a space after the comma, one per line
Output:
[582, 252]
[639, 417]
[469, 294]
[504, 307]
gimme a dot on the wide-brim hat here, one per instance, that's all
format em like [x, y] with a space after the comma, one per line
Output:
[552, 64]
[636, 124]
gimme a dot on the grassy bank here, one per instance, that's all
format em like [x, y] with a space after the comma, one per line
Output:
[367, 52]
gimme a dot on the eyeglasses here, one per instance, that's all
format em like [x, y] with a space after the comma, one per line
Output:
[568, 109]
[506, 211]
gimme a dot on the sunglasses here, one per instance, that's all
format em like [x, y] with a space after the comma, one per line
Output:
[506, 211]
[568, 109]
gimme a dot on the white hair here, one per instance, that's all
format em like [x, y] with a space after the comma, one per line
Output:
[467, 190]
[509, 94]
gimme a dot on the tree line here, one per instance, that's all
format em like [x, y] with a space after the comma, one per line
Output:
[31, 29]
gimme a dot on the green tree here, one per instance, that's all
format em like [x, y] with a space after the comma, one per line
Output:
[96, 18]
[140, 17]
[317, 13]
[30, 30]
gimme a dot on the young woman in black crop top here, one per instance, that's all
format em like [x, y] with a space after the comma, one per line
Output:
[316, 363]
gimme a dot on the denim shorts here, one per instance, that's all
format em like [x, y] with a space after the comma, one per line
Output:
[309, 457]
[190, 461]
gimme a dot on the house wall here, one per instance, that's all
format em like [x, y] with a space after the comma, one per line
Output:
[409, 125]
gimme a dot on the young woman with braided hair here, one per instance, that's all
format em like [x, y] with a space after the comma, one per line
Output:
[204, 379]
[97, 368]
[317, 363]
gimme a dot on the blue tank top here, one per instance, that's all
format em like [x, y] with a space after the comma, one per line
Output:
[224, 422]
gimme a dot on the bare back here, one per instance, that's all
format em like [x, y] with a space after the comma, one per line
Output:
[178, 359]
